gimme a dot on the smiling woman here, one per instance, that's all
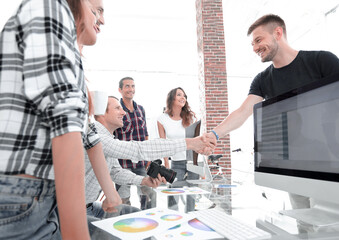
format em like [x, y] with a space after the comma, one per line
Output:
[87, 29]
[49, 153]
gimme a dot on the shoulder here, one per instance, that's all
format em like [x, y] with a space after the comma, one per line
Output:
[325, 61]
[102, 130]
[317, 54]
[58, 20]
[163, 117]
[58, 10]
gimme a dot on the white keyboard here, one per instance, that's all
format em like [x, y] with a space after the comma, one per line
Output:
[228, 226]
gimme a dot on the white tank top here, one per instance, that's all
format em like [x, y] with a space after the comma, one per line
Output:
[173, 130]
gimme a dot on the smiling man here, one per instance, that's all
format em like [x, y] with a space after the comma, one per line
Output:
[133, 129]
[290, 69]
[113, 149]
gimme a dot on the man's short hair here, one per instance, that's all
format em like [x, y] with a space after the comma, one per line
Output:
[265, 20]
[121, 82]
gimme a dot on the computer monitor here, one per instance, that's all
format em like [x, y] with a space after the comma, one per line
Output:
[296, 146]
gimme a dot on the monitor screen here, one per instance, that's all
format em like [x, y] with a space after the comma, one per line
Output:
[297, 134]
[296, 148]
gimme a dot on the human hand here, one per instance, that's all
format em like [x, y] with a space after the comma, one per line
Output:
[203, 144]
[111, 202]
[210, 136]
[153, 182]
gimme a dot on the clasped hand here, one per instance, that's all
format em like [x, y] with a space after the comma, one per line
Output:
[203, 144]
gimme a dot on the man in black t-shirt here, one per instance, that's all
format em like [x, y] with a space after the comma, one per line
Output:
[290, 69]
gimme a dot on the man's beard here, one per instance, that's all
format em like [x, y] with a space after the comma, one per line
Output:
[273, 51]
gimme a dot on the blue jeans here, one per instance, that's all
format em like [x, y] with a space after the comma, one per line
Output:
[96, 213]
[28, 209]
[181, 169]
[147, 196]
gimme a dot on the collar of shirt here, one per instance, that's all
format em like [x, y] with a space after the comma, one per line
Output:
[135, 106]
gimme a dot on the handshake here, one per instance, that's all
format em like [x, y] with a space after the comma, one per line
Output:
[204, 144]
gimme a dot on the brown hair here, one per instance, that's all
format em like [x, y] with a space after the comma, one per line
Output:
[121, 82]
[77, 11]
[186, 113]
[269, 19]
[76, 8]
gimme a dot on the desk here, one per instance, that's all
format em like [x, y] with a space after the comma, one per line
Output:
[248, 205]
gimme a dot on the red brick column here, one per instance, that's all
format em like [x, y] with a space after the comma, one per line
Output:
[212, 71]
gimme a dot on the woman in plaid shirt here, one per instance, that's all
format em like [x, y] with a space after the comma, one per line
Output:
[43, 112]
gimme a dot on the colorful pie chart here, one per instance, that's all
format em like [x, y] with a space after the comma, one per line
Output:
[134, 225]
[186, 234]
[171, 217]
[172, 191]
[195, 223]
[150, 214]
[195, 191]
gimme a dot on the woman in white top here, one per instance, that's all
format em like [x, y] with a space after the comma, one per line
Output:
[171, 125]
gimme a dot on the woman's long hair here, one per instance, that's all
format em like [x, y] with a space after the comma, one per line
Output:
[78, 14]
[186, 113]
[77, 11]
[76, 8]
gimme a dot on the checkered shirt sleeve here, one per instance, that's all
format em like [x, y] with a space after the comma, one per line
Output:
[135, 150]
[91, 138]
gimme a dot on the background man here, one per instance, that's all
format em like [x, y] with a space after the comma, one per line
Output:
[135, 129]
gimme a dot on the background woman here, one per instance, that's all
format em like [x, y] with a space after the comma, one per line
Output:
[171, 125]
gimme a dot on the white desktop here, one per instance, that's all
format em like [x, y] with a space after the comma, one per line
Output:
[297, 148]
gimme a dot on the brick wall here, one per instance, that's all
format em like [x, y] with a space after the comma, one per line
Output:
[212, 70]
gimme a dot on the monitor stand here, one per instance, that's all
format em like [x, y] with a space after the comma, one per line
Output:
[322, 214]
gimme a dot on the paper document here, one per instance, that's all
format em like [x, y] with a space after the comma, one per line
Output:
[181, 191]
[193, 229]
[143, 224]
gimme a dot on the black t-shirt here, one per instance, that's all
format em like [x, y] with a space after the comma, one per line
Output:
[307, 67]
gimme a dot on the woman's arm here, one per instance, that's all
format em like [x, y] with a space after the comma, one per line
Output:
[68, 161]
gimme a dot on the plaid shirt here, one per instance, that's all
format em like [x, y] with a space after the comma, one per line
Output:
[42, 87]
[135, 150]
[134, 129]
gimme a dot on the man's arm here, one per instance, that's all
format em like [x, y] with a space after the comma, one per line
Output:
[237, 117]
[99, 165]
[68, 161]
[123, 176]
[151, 149]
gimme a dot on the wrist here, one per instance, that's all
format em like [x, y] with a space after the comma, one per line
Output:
[215, 134]
[188, 145]
[143, 181]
